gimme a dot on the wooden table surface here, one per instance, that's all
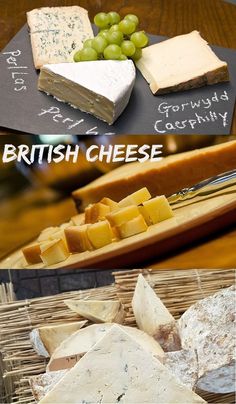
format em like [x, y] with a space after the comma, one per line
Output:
[215, 19]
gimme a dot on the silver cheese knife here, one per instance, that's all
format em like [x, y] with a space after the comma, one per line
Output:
[205, 188]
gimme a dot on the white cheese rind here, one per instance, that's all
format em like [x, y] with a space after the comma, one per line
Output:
[101, 88]
[181, 63]
[184, 366]
[43, 383]
[56, 32]
[209, 327]
[153, 317]
[118, 369]
[83, 340]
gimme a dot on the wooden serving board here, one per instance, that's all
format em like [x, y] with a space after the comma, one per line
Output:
[193, 219]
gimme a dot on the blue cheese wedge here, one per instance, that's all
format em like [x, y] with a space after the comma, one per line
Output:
[118, 369]
[101, 88]
[56, 32]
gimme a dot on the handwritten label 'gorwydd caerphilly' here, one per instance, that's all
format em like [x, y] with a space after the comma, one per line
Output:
[198, 112]
[18, 72]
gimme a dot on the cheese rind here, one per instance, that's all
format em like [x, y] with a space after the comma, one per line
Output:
[99, 311]
[153, 317]
[77, 239]
[181, 63]
[184, 366]
[41, 384]
[118, 368]
[56, 32]
[164, 177]
[101, 88]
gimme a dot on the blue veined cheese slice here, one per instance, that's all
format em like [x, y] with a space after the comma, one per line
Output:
[101, 88]
[56, 32]
[118, 369]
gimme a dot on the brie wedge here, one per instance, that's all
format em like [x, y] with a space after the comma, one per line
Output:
[101, 88]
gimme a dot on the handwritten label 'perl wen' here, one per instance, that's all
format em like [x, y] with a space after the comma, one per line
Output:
[18, 72]
[56, 116]
[199, 112]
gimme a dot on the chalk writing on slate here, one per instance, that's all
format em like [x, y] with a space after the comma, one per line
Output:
[205, 110]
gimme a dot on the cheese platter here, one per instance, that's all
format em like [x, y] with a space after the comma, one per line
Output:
[190, 370]
[104, 72]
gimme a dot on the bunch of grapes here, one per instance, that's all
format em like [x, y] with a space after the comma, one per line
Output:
[117, 39]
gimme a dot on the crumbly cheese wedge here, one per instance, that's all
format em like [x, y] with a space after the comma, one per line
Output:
[101, 88]
[53, 252]
[208, 327]
[181, 63]
[32, 254]
[41, 384]
[83, 340]
[183, 365]
[153, 317]
[118, 368]
[98, 311]
[100, 234]
[123, 215]
[156, 210]
[56, 32]
[164, 177]
[46, 339]
[96, 212]
[132, 227]
[77, 239]
[136, 198]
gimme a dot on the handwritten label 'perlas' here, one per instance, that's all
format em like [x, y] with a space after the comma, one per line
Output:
[17, 71]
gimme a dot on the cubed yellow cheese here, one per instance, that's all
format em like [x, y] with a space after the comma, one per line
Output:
[122, 215]
[77, 220]
[59, 235]
[53, 252]
[132, 227]
[156, 210]
[46, 233]
[100, 234]
[109, 202]
[136, 198]
[96, 212]
[64, 226]
[77, 239]
[32, 254]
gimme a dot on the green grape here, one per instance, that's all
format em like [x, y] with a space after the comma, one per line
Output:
[114, 28]
[114, 17]
[128, 48]
[115, 37]
[76, 56]
[112, 52]
[123, 57]
[104, 33]
[99, 43]
[137, 55]
[140, 39]
[133, 18]
[127, 27]
[87, 54]
[102, 20]
[88, 43]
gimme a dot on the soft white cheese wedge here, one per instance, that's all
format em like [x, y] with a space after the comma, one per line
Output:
[101, 88]
[118, 369]
[181, 63]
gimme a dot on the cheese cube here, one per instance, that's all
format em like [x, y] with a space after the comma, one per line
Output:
[156, 210]
[59, 235]
[100, 234]
[136, 198]
[53, 252]
[109, 202]
[123, 215]
[96, 212]
[77, 239]
[77, 220]
[46, 233]
[132, 227]
[32, 254]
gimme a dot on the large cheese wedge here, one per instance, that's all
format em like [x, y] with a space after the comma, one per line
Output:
[208, 327]
[181, 63]
[56, 32]
[53, 251]
[98, 311]
[46, 339]
[117, 368]
[101, 88]
[153, 317]
[75, 346]
[164, 177]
